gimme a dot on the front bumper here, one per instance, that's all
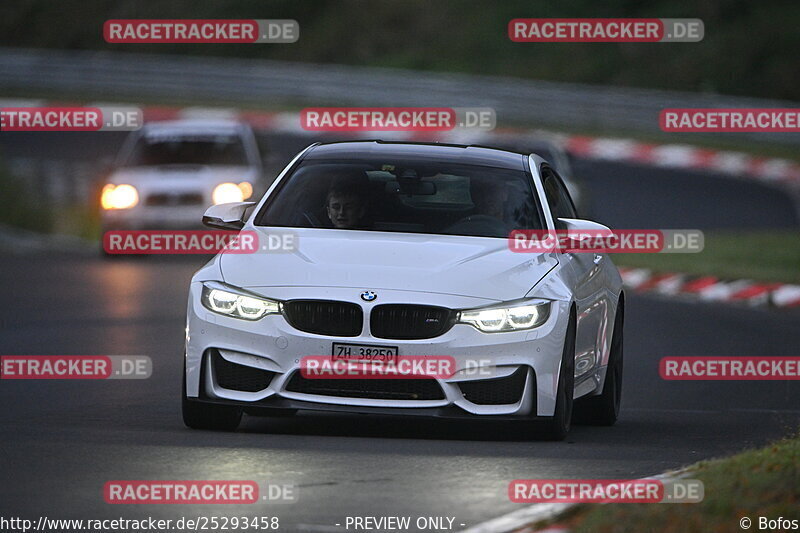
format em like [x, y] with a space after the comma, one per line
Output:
[273, 346]
[153, 218]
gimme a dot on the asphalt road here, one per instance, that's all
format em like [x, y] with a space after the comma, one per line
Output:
[60, 442]
[623, 195]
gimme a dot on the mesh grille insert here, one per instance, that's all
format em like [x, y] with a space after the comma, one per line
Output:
[401, 321]
[498, 391]
[174, 199]
[325, 317]
[233, 376]
[382, 389]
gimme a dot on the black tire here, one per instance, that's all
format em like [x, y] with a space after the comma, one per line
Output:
[557, 427]
[198, 415]
[603, 410]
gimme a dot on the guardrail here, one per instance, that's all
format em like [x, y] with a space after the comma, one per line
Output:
[256, 82]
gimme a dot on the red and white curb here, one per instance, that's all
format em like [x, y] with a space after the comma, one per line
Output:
[711, 288]
[682, 156]
[739, 164]
[687, 157]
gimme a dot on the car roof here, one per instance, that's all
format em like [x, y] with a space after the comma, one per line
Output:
[193, 127]
[528, 145]
[466, 154]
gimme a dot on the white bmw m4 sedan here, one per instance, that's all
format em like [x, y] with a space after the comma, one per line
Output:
[393, 252]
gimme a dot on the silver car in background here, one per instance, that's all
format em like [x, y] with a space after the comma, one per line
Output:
[168, 173]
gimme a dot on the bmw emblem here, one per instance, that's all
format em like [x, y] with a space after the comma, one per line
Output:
[368, 296]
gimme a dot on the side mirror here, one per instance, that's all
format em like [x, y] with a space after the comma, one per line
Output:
[578, 224]
[226, 216]
[575, 227]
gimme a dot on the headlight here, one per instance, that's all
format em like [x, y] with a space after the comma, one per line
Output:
[247, 189]
[228, 301]
[526, 315]
[227, 192]
[119, 196]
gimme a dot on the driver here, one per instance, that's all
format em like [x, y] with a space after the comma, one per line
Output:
[347, 205]
[490, 198]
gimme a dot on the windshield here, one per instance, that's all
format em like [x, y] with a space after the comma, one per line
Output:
[158, 150]
[404, 196]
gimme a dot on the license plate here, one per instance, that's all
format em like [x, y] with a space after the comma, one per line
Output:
[364, 352]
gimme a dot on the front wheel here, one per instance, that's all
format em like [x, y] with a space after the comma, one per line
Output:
[557, 427]
[603, 410]
[198, 415]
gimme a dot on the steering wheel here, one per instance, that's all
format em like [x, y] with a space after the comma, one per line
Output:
[481, 225]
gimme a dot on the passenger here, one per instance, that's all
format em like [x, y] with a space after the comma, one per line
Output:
[347, 205]
[490, 198]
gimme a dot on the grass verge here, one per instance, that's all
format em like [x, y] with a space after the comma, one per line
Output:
[19, 208]
[756, 483]
[772, 256]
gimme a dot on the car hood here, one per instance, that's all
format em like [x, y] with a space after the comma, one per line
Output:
[480, 267]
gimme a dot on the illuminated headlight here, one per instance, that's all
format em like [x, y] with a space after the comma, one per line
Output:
[119, 196]
[247, 189]
[527, 315]
[228, 301]
[225, 193]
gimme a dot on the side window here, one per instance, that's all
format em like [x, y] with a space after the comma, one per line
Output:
[558, 198]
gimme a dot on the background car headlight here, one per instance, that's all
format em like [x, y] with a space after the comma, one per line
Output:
[526, 315]
[247, 189]
[226, 301]
[227, 192]
[119, 196]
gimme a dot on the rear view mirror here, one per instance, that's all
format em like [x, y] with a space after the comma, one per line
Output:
[226, 216]
[411, 187]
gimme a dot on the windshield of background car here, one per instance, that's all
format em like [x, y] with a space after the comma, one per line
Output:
[169, 149]
[413, 196]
